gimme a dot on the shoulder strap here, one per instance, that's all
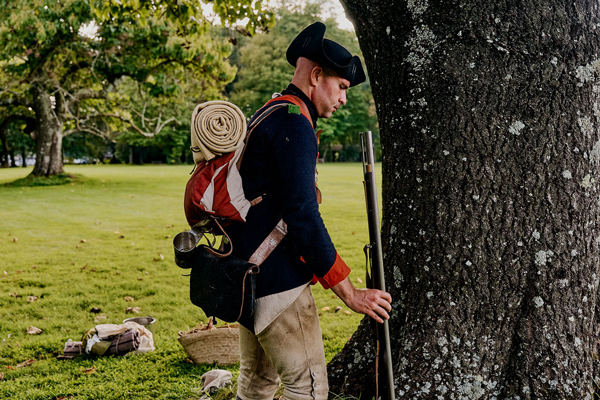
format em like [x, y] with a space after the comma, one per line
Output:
[276, 103]
[290, 98]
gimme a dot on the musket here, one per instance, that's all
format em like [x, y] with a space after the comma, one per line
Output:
[384, 379]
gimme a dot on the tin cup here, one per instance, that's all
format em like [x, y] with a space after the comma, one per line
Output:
[146, 322]
[184, 245]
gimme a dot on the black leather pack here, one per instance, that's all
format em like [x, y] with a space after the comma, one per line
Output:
[223, 287]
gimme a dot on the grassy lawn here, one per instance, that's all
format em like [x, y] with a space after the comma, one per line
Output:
[92, 243]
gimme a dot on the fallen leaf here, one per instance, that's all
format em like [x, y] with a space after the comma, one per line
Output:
[13, 295]
[167, 236]
[9, 367]
[139, 278]
[160, 257]
[121, 237]
[169, 226]
[32, 330]
[31, 299]
[5, 273]
[128, 298]
[93, 269]
[82, 241]
[85, 266]
[34, 266]
[65, 398]
[95, 310]
[78, 246]
[338, 308]
[135, 310]
[359, 280]
[118, 273]
[19, 272]
[146, 272]
[117, 233]
[26, 363]
[88, 371]
[325, 309]
[15, 239]
[1, 376]
[348, 312]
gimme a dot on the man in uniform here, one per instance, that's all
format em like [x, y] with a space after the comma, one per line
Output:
[282, 340]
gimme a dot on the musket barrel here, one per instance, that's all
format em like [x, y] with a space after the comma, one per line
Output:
[377, 272]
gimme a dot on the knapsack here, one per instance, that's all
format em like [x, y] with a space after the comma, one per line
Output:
[215, 187]
[222, 284]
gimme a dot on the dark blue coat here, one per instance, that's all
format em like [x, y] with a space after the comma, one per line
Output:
[280, 161]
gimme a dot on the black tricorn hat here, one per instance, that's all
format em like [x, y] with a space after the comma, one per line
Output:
[311, 44]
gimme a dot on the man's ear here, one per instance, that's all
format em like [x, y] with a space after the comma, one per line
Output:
[315, 74]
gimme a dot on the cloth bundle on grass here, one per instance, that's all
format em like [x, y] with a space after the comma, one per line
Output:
[117, 340]
[218, 127]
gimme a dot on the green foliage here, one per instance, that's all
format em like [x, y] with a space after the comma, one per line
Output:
[92, 243]
[181, 12]
[110, 67]
[84, 146]
[264, 70]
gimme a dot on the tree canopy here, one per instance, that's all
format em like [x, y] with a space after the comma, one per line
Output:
[93, 66]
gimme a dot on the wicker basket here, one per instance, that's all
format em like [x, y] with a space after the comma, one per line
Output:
[220, 345]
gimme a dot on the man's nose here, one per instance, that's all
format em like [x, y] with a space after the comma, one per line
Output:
[343, 98]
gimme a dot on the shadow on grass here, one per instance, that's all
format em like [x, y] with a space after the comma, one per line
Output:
[37, 181]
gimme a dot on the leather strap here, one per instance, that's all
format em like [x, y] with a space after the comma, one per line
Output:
[269, 244]
[226, 240]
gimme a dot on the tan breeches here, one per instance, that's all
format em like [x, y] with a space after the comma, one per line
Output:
[290, 349]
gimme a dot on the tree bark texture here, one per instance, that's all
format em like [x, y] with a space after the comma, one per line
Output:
[489, 114]
[49, 134]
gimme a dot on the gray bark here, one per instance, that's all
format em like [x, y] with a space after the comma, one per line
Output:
[49, 135]
[489, 131]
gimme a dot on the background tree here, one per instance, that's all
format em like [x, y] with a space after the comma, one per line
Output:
[71, 79]
[489, 126]
[264, 70]
[17, 124]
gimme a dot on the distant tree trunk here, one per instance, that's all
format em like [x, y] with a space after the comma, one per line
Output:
[489, 129]
[24, 156]
[4, 141]
[11, 156]
[49, 135]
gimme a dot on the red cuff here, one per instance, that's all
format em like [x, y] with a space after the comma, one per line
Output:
[337, 273]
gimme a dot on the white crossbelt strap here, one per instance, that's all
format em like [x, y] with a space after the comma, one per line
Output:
[269, 244]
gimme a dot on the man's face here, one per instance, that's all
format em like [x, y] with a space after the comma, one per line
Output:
[329, 94]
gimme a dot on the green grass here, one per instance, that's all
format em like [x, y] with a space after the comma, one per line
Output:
[90, 243]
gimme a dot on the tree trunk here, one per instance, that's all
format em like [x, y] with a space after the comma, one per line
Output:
[24, 157]
[49, 135]
[489, 130]
[4, 142]
[11, 155]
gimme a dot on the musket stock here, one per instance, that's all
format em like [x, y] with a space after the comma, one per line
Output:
[375, 278]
